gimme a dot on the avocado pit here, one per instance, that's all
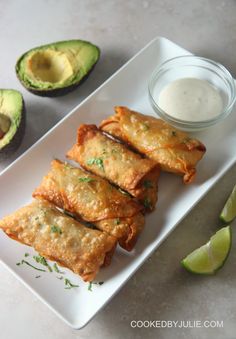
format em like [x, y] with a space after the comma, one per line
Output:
[5, 124]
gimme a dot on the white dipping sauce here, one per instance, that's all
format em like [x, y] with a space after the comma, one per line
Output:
[191, 99]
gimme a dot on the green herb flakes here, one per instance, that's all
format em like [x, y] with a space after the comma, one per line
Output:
[41, 260]
[56, 269]
[56, 229]
[147, 184]
[90, 286]
[96, 161]
[68, 284]
[91, 283]
[147, 203]
[117, 221]
[28, 264]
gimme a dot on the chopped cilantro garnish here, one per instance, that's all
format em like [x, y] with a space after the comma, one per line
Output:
[68, 284]
[90, 286]
[91, 283]
[27, 263]
[41, 260]
[56, 229]
[56, 269]
[86, 179]
[96, 161]
[147, 203]
[147, 184]
[26, 255]
[117, 221]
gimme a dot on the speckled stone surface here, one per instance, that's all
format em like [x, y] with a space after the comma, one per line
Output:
[161, 289]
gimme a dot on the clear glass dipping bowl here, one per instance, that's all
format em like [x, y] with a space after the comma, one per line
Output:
[190, 66]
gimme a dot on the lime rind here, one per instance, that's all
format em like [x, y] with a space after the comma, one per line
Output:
[210, 257]
[229, 211]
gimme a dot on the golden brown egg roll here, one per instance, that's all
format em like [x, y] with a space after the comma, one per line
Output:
[94, 200]
[60, 238]
[173, 149]
[112, 160]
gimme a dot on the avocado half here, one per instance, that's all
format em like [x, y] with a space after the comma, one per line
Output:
[12, 121]
[57, 68]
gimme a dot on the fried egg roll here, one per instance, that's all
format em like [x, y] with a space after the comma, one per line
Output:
[112, 160]
[94, 200]
[60, 238]
[173, 149]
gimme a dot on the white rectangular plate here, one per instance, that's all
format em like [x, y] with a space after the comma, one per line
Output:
[127, 87]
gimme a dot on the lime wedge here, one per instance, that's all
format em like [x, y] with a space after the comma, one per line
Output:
[208, 258]
[229, 211]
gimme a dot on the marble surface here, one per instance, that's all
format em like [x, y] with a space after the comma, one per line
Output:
[160, 290]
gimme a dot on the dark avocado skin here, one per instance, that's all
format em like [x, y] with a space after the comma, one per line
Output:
[16, 141]
[57, 92]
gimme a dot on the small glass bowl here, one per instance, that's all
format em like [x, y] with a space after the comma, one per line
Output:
[190, 66]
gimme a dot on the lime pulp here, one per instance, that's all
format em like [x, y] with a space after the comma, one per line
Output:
[210, 257]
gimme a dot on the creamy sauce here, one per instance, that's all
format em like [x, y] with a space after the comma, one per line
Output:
[191, 99]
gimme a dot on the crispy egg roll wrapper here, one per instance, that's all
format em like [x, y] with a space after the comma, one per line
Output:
[112, 160]
[94, 200]
[173, 149]
[81, 249]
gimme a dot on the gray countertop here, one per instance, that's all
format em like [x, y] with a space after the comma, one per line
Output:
[161, 289]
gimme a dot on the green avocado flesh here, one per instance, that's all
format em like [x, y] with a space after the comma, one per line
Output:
[57, 65]
[11, 119]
